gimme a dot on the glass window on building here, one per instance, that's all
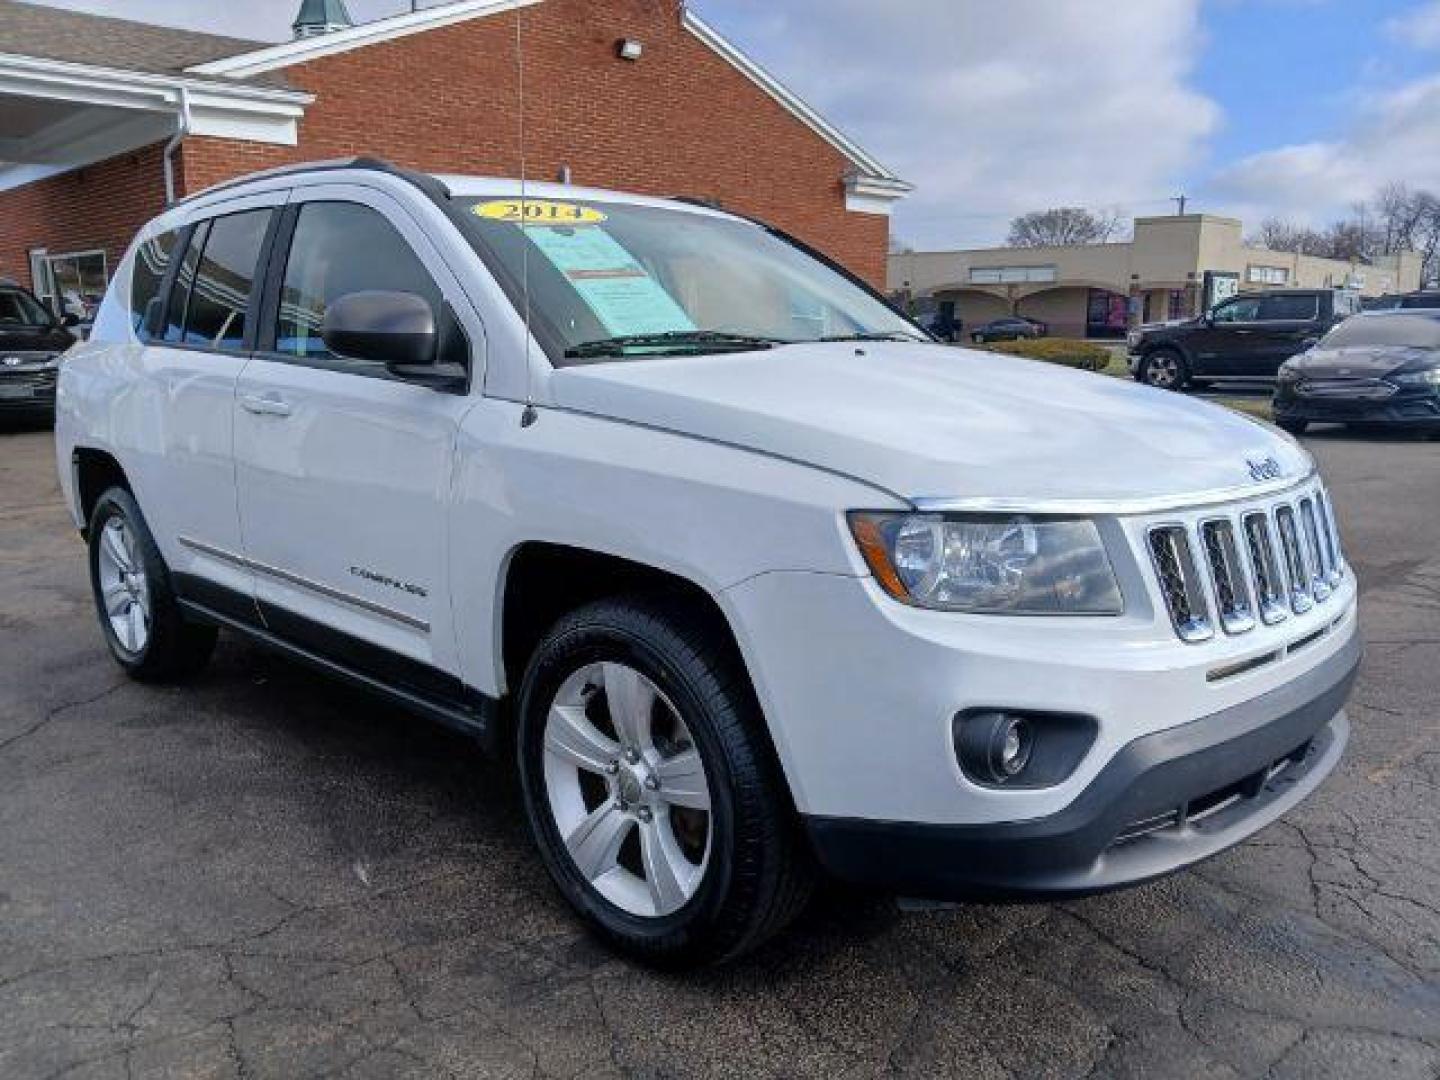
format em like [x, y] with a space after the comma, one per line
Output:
[1268, 275]
[73, 283]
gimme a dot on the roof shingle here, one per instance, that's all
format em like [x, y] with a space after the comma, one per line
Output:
[103, 41]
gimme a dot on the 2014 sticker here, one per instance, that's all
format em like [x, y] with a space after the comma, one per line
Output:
[539, 212]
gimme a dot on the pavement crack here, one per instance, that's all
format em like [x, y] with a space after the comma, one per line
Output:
[55, 712]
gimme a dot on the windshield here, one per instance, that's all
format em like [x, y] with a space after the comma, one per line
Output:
[17, 308]
[610, 280]
[1394, 331]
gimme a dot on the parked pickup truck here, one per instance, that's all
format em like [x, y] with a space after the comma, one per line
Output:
[747, 576]
[1246, 337]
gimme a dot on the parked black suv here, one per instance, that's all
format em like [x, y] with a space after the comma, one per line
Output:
[31, 341]
[1248, 336]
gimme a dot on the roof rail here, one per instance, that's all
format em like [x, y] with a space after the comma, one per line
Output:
[424, 181]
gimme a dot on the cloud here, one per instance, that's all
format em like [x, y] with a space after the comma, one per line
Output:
[990, 108]
[1419, 29]
[994, 109]
[1394, 135]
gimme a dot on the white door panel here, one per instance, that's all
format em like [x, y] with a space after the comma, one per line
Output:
[344, 473]
[193, 464]
[343, 491]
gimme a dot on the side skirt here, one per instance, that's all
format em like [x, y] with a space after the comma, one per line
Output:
[475, 716]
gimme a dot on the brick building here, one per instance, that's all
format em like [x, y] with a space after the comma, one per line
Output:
[102, 120]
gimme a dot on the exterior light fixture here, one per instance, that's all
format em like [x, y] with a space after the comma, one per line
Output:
[630, 49]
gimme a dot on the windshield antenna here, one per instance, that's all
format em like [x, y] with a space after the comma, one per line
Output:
[530, 415]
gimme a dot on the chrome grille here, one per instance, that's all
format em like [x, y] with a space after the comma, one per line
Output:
[1180, 582]
[1232, 584]
[1258, 564]
[1269, 575]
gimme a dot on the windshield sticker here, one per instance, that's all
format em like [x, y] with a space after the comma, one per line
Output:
[622, 295]
[540, 212]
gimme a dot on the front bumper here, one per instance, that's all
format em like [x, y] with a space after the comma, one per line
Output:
[1417, 409]
[28, 391]
[1166, 801]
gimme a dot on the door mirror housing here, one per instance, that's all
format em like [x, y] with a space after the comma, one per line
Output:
[396, 329]
[69, 320]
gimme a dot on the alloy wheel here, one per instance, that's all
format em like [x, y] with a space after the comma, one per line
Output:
[124, 590]
[627, 790]
[1162, 371]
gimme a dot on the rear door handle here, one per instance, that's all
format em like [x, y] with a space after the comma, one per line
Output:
[264, 405]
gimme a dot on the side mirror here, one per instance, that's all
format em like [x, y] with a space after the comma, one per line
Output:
[69, 320]
[396, 329]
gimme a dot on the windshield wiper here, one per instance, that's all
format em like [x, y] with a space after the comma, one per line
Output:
[879, 335]
[684, 340]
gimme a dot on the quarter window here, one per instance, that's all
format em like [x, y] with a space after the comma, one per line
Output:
[152, 260]
[342, 248]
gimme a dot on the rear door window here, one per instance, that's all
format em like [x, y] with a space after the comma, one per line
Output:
[1289, 308]
[224, 280]
[184, 278]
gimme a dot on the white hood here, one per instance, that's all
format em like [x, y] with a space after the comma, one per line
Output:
[928, 421]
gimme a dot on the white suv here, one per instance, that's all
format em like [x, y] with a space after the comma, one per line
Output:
[750, 575]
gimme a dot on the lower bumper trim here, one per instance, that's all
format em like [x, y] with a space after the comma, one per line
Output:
[1165, 802]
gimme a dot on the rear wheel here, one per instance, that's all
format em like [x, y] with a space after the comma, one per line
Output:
[142, 622]
[1164, 369]
[651, 793]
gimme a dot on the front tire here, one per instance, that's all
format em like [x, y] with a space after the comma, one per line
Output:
[650, 789]
[1165, 369]
[140, 617]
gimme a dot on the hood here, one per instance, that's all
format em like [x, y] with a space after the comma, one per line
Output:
[928, 421]
[1361, 361]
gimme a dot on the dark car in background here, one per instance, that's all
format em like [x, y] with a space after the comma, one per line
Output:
[31, 341]
[1425, 298]
[1377, 369]
[1010, 328]
[1247, 337]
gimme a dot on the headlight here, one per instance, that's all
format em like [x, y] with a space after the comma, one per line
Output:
[990, 564]
[1428, 377]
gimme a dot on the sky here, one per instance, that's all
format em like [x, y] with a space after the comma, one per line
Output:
[1254, 108]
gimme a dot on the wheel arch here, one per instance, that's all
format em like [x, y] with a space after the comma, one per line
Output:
[541, 581]
[95, 472]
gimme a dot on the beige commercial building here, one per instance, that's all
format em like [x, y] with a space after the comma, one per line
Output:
[1174, 268]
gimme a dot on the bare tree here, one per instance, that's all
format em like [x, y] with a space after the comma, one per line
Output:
[1065, 226]
[1277, 234]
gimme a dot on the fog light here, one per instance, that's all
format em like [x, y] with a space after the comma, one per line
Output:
[995, 747]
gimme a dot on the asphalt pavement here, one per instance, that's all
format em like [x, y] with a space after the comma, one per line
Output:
[263, 875]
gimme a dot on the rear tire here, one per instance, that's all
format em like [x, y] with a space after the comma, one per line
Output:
[1294, 427]
[742, 868]
[140, 617]
[1164, 369]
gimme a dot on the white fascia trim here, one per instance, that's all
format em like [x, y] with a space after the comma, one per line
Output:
[788, 98]
[254, 113]
[303, 50]
[872, 195]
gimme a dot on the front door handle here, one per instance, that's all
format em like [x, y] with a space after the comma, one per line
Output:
[265, 405]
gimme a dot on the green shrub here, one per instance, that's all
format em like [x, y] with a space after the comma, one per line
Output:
[1085, 355]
